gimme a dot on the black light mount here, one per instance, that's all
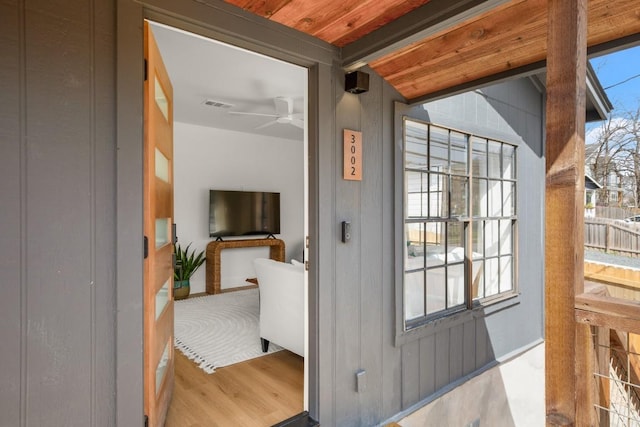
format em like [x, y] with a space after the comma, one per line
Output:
[356, 82]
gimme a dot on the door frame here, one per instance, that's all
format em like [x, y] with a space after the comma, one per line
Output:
[228, 24]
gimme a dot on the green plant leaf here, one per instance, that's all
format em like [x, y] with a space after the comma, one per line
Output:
[188, 262]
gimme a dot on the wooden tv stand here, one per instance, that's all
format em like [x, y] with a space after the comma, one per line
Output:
[276, 251]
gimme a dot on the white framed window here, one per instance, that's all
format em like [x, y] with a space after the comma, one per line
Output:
[459, 221]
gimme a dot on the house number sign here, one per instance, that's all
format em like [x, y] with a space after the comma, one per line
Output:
[352, 155]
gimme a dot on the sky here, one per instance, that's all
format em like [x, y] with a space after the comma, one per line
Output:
[619, 75]
[614, 69]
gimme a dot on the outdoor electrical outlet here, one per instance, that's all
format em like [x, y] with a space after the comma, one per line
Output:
[361, 381]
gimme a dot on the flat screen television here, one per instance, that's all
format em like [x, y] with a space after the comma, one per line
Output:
[243, 213]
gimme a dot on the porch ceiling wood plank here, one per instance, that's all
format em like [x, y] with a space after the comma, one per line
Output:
[489, 27]
[352, 26]
[266, 9]
[612, 20]
[334, 21]
[423, 47]
[470, 52]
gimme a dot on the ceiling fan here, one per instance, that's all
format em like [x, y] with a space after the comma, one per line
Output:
[283, 115]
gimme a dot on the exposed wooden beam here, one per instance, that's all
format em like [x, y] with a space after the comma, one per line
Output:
[433, 17]
[564, 232]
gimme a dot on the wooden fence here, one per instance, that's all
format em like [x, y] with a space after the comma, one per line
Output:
[612, 236]
[615, 212]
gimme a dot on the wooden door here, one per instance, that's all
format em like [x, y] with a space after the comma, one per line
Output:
[158, 219]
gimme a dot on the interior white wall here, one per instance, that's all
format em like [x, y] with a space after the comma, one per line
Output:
[207, 158]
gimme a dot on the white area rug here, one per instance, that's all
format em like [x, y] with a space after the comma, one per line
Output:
[219, 330]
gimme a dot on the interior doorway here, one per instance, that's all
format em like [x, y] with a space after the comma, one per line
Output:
[239, 124]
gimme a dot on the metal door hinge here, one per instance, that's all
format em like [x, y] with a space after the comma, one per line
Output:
[146, 70]
[174, 234]
[307, 240]
[146, 421]
[145, 243]
[306, 265]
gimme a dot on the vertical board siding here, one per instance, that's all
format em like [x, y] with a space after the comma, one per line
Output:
[427, 365]
[410, 373]
[456, 352]
[391, 355]
[104, 223]
[348, 268]
[11, 147]
[57, 132]
[371, 256]
[469, 348]
[58, 109]
[442, 359]
[327, 226]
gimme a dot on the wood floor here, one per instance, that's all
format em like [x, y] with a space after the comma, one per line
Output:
[258, 392]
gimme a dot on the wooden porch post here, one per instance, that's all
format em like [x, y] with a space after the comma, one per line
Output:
[566, 343]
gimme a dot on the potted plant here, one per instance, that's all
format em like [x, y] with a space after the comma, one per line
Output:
[187, 262]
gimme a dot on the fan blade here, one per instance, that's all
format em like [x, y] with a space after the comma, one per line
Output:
[298, 123]
[266, 125]
[251, 114]
[284, 106]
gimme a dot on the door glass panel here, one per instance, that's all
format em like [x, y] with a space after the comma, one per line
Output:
[161, 369]
[162, 166]
[162, 231]
[162, 298]
[161, 100]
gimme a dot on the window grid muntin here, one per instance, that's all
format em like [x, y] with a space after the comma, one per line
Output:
[499, 257]
[469, 216]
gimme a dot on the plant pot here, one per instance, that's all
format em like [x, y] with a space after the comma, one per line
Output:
[181, 289]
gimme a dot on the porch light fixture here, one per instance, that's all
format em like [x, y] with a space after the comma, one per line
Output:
[356, 82]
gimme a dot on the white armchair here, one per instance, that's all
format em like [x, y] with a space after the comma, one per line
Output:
[281, 304]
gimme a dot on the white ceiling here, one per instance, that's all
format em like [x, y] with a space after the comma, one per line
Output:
[202, 69]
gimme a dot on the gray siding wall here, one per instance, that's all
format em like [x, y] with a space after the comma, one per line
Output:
[57, 224]
[357, 279]
[58, 228]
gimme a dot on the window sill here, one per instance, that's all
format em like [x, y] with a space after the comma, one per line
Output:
[480, 310]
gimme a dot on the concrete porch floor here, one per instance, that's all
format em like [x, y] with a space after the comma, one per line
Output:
[508, 395]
